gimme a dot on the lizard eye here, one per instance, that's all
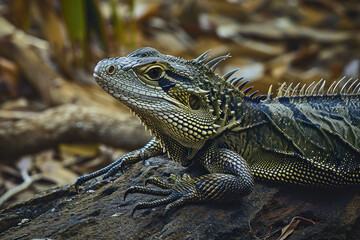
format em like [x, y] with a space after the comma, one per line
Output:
[194, 102]
[110, 69]
[154, 73]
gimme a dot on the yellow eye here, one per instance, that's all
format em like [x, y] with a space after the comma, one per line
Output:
[154, 73]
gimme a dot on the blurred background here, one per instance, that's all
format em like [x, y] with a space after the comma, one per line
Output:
[57, 124]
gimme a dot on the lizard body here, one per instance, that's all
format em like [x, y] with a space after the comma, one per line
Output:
[302, 137]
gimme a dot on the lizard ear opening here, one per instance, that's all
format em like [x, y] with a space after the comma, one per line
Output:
[194, 102]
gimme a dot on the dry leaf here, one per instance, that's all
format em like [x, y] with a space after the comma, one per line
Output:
[9, 79]
[53, 170]
[289, 229]
[80, 149]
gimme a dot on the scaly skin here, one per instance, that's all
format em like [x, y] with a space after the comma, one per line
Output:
[301, 137]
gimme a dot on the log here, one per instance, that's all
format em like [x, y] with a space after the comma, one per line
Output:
[99, 212]
[70, 123]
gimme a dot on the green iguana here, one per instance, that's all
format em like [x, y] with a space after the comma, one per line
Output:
[303, 137]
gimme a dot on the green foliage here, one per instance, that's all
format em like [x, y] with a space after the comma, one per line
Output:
[73, 13]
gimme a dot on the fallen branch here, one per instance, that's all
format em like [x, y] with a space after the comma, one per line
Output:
[70, 123]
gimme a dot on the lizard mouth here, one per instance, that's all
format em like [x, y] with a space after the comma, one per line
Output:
[97, 78]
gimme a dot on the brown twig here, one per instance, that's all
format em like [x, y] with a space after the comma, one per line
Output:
[282, 236]
[28, 180]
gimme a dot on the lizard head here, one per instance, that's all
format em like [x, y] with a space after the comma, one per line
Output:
[171, 96]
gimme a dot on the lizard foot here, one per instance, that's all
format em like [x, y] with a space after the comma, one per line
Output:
[120, 164]
[178, 192]
[151, 149]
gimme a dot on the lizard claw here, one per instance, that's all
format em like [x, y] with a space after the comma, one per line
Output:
[157, 182]
[180, 192]
[155, 203]
[146, 190]
[77, 184]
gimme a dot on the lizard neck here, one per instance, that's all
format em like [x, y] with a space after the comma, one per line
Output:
[233, 109]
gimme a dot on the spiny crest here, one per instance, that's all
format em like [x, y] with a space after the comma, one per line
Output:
[234, 82]
[213, 64]
[342, 87]
[238, 85]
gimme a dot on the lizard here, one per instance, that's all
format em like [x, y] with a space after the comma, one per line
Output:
[303, 136]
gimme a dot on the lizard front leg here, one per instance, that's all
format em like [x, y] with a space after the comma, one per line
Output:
[151, 149]
[229, 179]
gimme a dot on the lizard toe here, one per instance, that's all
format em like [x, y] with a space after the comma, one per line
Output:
[147, 190]
[180, 192]
[157, 182]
